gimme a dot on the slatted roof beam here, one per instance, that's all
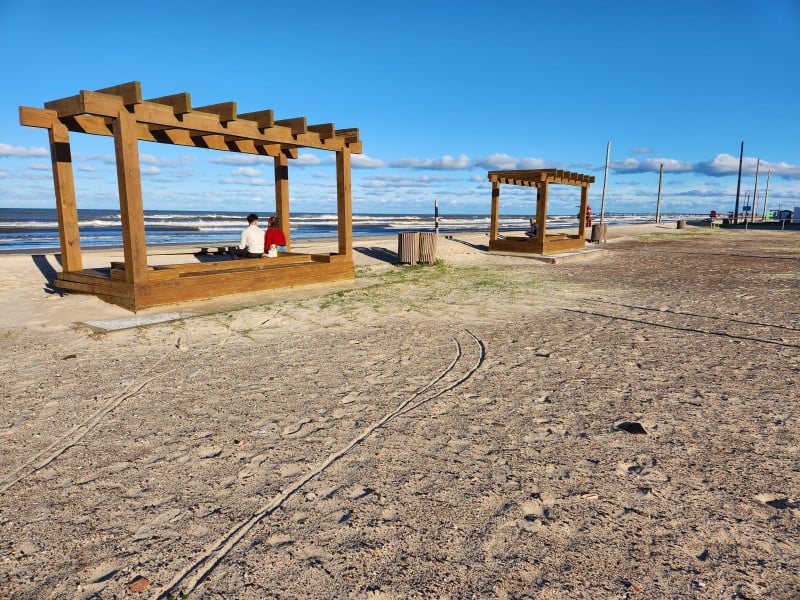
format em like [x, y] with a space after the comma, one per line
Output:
[131, 92]
[226, 111]
[181, 103]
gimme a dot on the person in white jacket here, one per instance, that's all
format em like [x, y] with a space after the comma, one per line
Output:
[252, 242]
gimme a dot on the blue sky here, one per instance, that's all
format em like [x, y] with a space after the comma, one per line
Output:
[442, 92]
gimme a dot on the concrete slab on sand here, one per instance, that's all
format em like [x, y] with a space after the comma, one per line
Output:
[136, 321]
[551, 258]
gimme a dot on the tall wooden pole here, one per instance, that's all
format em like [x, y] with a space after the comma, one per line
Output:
[738, 185]
[658, 201]
[755, 193]
[495, 219]
[766, 191]
[282, 196]
[344, 202]
[436, 216]
[129, 182]
[605, 179]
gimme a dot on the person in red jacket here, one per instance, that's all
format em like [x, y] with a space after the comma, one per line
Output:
[274, 235]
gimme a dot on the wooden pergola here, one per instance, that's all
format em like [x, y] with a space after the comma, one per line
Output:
[119, 111]
[543, 243]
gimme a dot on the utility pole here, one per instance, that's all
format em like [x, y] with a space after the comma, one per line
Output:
[766, 191]
[755, 193]
[738, 186]
[658, 201]
[605, 178]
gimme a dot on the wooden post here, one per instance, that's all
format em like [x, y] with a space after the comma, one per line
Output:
[66, 205]
[126, 146]
[344, 202]
[766, 192]
[495, 218]
[582, 212]
[541, 212]
[282, 195]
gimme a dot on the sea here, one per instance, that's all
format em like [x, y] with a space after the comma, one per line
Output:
[36, 229]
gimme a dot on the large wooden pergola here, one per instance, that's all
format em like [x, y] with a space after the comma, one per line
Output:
[119, 111]
[543, 243]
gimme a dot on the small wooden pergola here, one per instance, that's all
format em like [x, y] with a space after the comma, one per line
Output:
[120, 111]
[543, 243]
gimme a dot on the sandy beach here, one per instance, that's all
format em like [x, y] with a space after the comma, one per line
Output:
[623, 424]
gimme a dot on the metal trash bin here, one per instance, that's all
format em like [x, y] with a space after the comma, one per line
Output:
[408, 247]
[427, 247]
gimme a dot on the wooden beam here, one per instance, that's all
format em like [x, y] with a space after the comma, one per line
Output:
[296, 124]
[86, 102]
[495, 217]
[214, 142]
[226, 111]
[344, 203]
[130, 197]
[37, 117]
[325, 130]
[264, 118]
[350, 135]
[180, 103]
[282, 196]
[66, 204]
[131, 92]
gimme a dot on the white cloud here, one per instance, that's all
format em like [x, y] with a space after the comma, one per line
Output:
[505, 162]
[247, 171]
[40, 167]
[3, 174]
[149, 159]
[87, 168]
[632, 165]
[21, 152]
[241, 159]
[305, 160]
[150, 171]
[362, 161]
[245, 181]
[445, 163]
[103, 158]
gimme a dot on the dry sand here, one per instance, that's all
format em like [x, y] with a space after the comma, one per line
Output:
[624, 424]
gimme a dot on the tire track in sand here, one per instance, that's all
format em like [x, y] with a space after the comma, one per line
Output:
[73, 436]
[449, 379]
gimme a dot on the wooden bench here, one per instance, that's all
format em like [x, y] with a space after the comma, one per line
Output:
[174, 271]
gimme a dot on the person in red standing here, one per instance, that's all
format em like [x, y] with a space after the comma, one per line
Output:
[275, 236]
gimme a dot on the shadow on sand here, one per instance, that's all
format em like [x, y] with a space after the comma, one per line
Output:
[378, 253]
[47, 270]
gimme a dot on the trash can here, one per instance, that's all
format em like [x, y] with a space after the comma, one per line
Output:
[407, 247]
[681, 224]
[599, 231]
[427, 247]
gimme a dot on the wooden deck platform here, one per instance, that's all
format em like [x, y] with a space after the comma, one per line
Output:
[555, 244]
[168, 284]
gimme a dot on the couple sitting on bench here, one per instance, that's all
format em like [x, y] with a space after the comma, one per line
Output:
[255, 243]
